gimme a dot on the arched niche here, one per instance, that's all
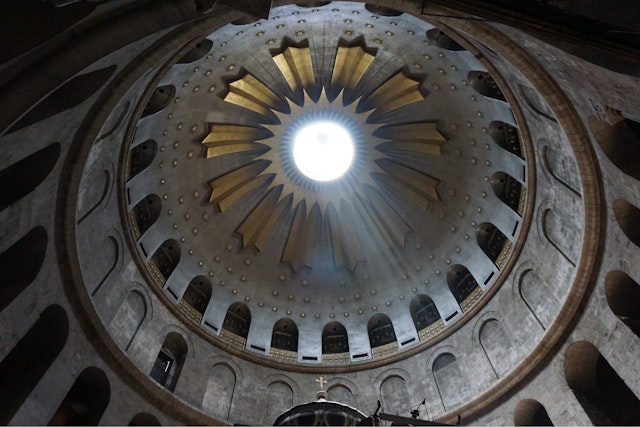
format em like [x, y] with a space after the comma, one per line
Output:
[506, 136]
[196, 298]
[67, 96]
[380, 330]
[197, 52]
[538, 297]
[21, 263]
[508, 190]
[562, 234]
[144, 419]
[530, 412]
[449, 380]
[493, 243]
[341, 393]
[238, 319]
[160, 98]
[170, 360]
[334, 338]
[279, 400]
[285, 335]
[395, 396]
[31, 357]
[496, 344]
[128, 319]
[623, 297]
[146, 213]
[628, 217]
[620, 143]
[442, 40]
[166, 259]
[21, 178]
[562, 168]
[603, 395]
[141, 156]
[381, 10]
[220, 389]
[86, 401]
[483, 83]
[424, 312]
[463, 286]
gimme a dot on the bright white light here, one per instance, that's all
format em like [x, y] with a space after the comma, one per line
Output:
[323, 151]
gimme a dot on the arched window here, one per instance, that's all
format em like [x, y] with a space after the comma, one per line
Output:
[623, 297]
[334, 338]
[141, 157]
[493, 243]
[145, 213]
[484, 84]
[168, 365]
[198, 51]
[144, 419]
[166, 259]
[442, 40]
[506, 136]
[463, 286]
[530, 412]
[160, 98]
[285, 335]
[621, 144]
[381, 10]
[423, 312]
[86, 401]
[21, 178]
[628, 217]
[25, 365]
[380, 330]
[20, 264]
[603, 395]
[196, 298]
[508, 190]
[238, 319]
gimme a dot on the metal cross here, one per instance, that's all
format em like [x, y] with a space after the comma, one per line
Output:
[322, 382]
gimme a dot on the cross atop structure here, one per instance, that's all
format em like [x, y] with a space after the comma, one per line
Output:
[322, 382]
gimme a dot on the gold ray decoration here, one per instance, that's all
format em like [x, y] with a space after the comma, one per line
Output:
[251, 93]
[296, 67]
[351, 64]
[358, 204]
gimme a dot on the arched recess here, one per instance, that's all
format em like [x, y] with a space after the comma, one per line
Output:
[21, 263]
[334, 338]
[535, 102]
[144, 419]
[238, 320]
[620, 143]
[449, 380]
[506, 136]
[442, 40]
[160, 98]
[562, 235]
[170, 360]
[316, 3]
[604, 396]
[67, 96]
[484, 84]
[628, 217]
[538, 297]
[496, 344]
[145, 214]
[198, 51]
[96, 187]
[341, 393]
[104, 264]
[279, 400]
[285, 335]
[382, 336]
[425, 316]
[493, 243]
[463, 286]
[220, 389]
[509, 191]
[86, 401]
[395, 396]
[141, 157]
[530, 412]
[21, 178]
[562, 168]
[165, 260]
[128, 319]
[623, 297]
[25, 365]
[196, 298]
[381, 10]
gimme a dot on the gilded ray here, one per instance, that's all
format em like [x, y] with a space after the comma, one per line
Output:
[228, 188]
[296, 67]
[350, 65]
[414, 185]
[251, 93]
[345, 242]
[414, 137]
[293, 253]
[228, 139]
[257, 227]
[396, 92]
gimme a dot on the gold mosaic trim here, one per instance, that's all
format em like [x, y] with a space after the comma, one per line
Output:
[134, 225]
[191, 312]
[431, 330]
[233, 340]
[504, 254]
[385, 350]
[155, 273]
[335, 358]
[283, 355]
[522, 201]
[471, 299]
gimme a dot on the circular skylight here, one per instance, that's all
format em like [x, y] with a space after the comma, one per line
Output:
[323, 150]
